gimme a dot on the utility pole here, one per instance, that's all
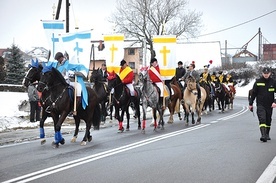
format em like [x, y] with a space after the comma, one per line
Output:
[67, 13]
[260, 45]
[226, 60]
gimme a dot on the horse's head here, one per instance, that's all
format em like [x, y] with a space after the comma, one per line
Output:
[113, 80]
[191, 83]
[143, 76]
[45, 79]
[33, 73]
[96, 76]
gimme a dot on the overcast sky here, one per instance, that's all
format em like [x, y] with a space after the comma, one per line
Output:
[20, 20]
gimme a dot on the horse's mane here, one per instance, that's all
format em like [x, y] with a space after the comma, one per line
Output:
[59, 76]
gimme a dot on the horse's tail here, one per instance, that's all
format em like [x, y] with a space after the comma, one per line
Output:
[97, 117]
[177, 106]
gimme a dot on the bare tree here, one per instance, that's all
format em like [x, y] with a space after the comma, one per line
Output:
[142, 19]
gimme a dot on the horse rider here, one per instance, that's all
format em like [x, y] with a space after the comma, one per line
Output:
[180, 71]
[103, 71]
[230, 82]
[69, 71]
[206, 77]
[154, 75]
[192, 72]
[126, 75]
[222, 79]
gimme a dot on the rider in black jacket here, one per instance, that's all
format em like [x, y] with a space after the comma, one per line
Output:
[264, 89]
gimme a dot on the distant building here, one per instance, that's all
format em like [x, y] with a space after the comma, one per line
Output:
[269, 52]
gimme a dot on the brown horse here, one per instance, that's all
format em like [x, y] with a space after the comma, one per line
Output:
[178, 96]
[232, 93]
[190, 100]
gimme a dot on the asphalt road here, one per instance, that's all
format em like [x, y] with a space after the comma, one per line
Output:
[224, 148]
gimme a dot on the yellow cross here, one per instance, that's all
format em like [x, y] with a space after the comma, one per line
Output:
[164, 51]
[112, 49]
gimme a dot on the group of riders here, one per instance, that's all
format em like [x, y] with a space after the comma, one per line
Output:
[126, 75]
[205, 77]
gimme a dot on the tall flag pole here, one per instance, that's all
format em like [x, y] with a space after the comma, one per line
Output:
[165, 49]
[53, 29]
[114, 48]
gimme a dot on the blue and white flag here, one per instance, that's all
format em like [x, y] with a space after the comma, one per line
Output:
[53, 29]
[78, 46]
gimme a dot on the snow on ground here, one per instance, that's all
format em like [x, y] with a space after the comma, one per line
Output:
[11, 117]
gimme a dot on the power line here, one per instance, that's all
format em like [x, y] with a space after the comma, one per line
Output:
[238, 24]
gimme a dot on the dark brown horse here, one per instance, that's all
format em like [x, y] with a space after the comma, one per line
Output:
[60, 96]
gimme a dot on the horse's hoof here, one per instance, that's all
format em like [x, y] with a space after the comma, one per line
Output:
[120, 130]
[170, 122]
[74, 139]
[55, 145]
[152, 124]
[143, 131]
[139, 127]
[127, 129]
[162, 128]
[43, 141]
[90, 138]
[62, 142]
[83, 143]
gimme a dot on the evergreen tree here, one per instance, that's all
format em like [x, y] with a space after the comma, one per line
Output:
[2, 70]
[15, 66]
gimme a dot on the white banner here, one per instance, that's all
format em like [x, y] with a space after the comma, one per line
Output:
[114, 50]
[78, 46]
[165, 49]
[53, 29]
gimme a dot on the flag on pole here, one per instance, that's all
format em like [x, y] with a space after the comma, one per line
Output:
[114, 47]
[78, 46]
[165, 49]
[53, 29]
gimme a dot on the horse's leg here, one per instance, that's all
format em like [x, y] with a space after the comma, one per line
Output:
[154, 118]
[144, 108]
[120, 119]
[161, 120]
[171, 107]
[41, 126]
[128, 117]
[77, 125]
[87, 136]
[58, 135]
[137, 106]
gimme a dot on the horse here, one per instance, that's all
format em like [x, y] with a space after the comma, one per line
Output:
[222, 95]
[209, 98]
[176, 85]
[150, 98]
[121, 100]
[31, 76]
[61, 104]
[100, 86]
[232, 94]
[190, 100]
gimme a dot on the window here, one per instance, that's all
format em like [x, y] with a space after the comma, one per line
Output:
[131, 51]
[131, 65]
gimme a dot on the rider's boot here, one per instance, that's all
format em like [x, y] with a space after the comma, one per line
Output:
[263, 133]
[198, 93]
[267, 133]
